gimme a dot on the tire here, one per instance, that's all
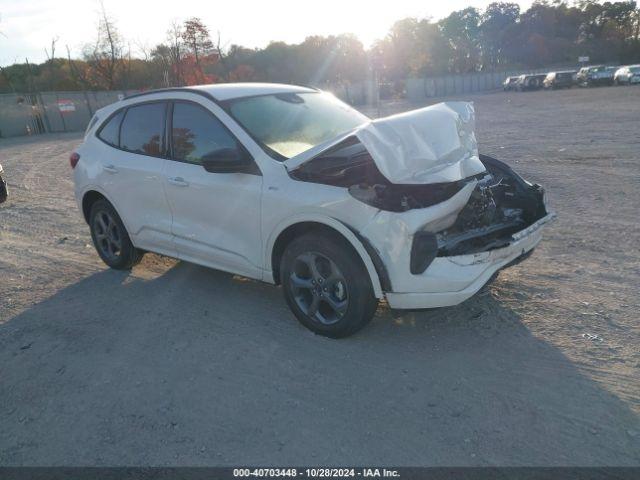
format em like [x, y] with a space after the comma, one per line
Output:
[110, 237]
[327, 286]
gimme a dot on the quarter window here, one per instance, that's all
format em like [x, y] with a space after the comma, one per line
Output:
[196, 133]
[110, 132]
[142, 129]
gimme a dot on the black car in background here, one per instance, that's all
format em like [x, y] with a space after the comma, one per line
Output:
[3, 187]
[556, 80]
[530, 82]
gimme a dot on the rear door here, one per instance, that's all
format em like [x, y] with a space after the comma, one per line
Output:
[216, 216]
[132, 173]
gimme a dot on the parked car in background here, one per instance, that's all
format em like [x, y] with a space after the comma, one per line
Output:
[289, 185]
[627, 75]
[4, 191]
[530, 82]
[510, 83]
[555, 80]
[595, 75]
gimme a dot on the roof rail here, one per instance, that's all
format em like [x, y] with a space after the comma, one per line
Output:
[201, 92]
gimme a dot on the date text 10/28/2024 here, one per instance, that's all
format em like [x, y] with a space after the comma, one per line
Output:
[315, 472]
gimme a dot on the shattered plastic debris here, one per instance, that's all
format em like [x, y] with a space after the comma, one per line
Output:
[592, 336]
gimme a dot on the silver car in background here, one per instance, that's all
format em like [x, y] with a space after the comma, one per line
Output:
[627, 75]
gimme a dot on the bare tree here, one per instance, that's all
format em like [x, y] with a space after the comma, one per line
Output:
[176, 53]
[78, 74]
[107, 56]
[222, 56]
[51, 55]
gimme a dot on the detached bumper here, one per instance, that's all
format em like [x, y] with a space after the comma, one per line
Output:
[460, 277]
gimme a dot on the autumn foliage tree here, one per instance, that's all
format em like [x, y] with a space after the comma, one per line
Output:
[548, 33]
[198, 44]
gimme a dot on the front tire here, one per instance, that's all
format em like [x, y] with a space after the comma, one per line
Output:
[110, 237]
[327, 286]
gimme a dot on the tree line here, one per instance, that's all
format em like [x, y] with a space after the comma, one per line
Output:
[550, 32]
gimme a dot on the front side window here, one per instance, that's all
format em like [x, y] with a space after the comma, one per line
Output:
[142, 129]
[196, 133]
[288, 124]
[110, 131]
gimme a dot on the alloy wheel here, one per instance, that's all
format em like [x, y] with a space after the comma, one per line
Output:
[319, 288]
[107, 234]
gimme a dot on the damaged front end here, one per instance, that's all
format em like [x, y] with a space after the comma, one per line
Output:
[502, 204]
[422, 171]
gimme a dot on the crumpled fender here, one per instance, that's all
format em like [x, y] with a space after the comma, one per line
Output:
[435, 144]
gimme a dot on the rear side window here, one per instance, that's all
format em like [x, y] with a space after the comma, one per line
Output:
[110, 131]
[196, 133]
[143, 128]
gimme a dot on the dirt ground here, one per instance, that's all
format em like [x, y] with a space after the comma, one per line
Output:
[174, 364]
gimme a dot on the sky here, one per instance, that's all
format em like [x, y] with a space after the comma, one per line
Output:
[27, 26]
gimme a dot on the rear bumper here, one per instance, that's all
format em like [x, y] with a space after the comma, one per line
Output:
[460, 277]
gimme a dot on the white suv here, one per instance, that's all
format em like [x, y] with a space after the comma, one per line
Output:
[288, 185]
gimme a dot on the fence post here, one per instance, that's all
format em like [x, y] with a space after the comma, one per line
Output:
[86, 99]
[47, 123]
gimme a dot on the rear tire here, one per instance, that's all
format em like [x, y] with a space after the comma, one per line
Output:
[110, 237]
[326, 285]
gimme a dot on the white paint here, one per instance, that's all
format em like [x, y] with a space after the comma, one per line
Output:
[232, 221]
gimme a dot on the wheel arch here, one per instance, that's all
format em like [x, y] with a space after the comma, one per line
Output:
[88, 199]
[285, 233]
[91, 195]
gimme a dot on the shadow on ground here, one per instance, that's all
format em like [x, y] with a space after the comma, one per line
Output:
[197, 367]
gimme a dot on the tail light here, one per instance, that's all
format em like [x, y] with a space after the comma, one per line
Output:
[73, 159]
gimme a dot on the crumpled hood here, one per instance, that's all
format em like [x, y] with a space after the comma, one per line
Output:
[434, 144]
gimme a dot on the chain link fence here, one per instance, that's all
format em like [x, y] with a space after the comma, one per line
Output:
[53, 112]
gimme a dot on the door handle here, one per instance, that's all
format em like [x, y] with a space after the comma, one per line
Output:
[178, 181]
[109, 169]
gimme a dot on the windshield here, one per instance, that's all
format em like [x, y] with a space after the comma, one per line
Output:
[634, 69]
[287, 124]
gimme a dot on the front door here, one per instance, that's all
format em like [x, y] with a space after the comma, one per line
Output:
[216, 216]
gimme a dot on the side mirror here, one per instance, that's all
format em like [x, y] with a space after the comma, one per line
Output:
[227, 160]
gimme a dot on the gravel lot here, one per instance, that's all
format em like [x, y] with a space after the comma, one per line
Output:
[174, 364]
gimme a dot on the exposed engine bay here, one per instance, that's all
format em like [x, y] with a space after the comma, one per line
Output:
[501, 204]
